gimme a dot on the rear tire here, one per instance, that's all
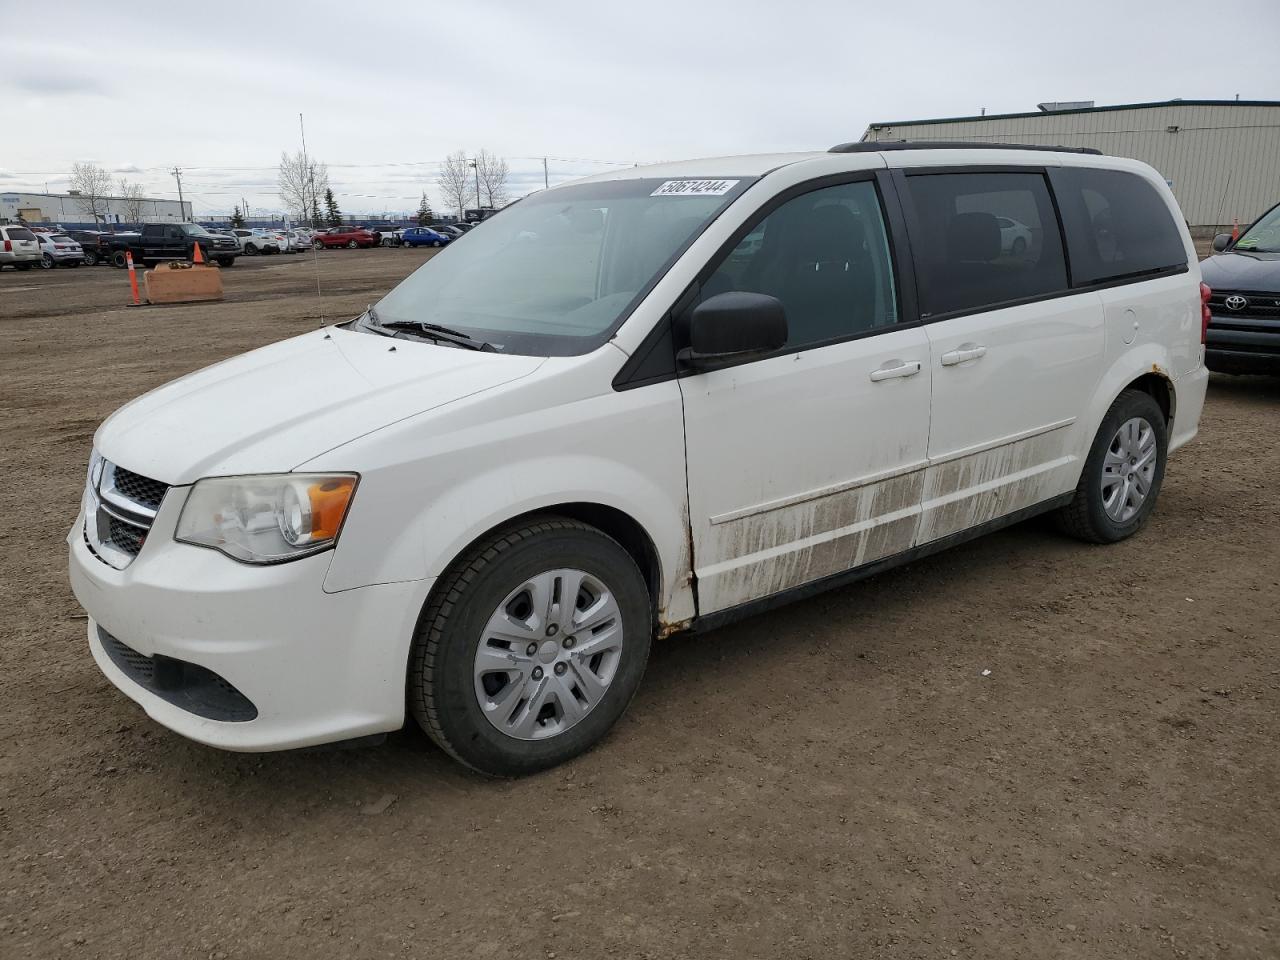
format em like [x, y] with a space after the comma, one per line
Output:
[1119, 485]
[119, 260]
[461, 707]
[22, 266]
[46, 262]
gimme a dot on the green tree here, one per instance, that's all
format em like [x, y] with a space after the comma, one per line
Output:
[331, 211]
[237, 218]
[425, 216]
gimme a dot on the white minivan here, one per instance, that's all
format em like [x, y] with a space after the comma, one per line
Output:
[646, 402]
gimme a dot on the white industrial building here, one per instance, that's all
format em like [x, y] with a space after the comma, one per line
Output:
[68, 210]
[1221, 157]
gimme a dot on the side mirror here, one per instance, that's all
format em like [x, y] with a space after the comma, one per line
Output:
[1221, 242]
[732, 326]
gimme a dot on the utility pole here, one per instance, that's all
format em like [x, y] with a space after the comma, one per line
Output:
[475, 166]
[545, 182]
[182, 207]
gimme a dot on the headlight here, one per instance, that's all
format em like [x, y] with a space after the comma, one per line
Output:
[95, 468]
[269, 518]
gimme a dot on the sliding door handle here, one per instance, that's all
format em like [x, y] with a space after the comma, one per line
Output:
[966, 351]
[896, 368]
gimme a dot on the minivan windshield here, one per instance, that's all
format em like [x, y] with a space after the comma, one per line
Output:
[557, 272]
[1263, 236]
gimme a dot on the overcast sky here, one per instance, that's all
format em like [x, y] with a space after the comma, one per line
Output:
[388, 89]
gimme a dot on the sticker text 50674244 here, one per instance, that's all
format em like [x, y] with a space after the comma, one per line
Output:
[694, 188]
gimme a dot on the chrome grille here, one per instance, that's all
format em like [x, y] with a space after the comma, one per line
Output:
[140, 489]
[1225, 304]
[120, 507]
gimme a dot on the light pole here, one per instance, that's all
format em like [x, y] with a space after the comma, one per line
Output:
[476, 167]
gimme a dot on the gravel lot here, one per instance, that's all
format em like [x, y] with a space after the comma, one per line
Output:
[833, 779]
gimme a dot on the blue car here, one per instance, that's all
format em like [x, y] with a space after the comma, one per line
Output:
[424, 237]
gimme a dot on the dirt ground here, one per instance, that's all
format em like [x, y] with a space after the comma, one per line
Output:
[834, 779]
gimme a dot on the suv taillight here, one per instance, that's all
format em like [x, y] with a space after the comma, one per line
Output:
[1205, 313]
[8, 246]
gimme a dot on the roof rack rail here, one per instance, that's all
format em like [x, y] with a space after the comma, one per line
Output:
[876, 146]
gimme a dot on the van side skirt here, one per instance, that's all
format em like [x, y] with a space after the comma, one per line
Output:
[720, 618]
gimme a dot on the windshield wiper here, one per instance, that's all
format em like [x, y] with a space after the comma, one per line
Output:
[432, 331]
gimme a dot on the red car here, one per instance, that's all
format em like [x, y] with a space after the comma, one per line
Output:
[346, 237]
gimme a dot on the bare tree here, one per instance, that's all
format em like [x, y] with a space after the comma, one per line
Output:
[133, 201]
[493, 173]
[92, 187]
[454, 181]
[302, 183]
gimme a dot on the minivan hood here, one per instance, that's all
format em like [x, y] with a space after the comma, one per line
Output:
[1243, 271]
[274, 408]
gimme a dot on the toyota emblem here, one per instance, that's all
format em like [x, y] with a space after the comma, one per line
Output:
[1236, 302]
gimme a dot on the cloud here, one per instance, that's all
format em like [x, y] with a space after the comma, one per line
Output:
[127, 168]
[54, 83]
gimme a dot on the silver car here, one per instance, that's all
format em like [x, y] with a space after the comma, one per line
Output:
[59, 250]
[19, 247]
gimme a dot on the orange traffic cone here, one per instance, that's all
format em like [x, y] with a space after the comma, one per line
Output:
[1235, 229]
[199, 257]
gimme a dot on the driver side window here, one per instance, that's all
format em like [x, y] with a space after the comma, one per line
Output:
[825, 255]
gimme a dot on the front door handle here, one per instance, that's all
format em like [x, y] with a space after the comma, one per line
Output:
[896, 368]
[966, 351]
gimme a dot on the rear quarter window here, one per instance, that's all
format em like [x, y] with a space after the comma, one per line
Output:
[1117, 225]
[982, 240]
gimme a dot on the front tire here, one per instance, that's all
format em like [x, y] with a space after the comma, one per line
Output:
[1123, 473]
[507, 674]
[351, 244]
[226, 262]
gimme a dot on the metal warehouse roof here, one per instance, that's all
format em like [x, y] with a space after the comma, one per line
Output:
[1063, 113]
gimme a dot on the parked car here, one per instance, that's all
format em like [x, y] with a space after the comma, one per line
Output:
[478, 503]
[59, 250]
[1015, 236]
[299, 240]
[345, 237]
[1244, 332]
[157, 242]
[389, 235]
[424, 237]
[450, 230]
[19, 247]
[253, 242]
[90, 241]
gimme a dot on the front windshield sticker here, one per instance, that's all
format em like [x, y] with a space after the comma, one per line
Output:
[694, 188]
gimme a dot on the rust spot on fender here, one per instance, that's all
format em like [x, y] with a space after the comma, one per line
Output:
[669, 628]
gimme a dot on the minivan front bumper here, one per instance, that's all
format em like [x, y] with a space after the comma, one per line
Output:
[315, 667]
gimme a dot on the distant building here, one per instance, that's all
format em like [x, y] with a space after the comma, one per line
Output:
[65, 208]
[1221, 157]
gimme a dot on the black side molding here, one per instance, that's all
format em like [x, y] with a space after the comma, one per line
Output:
[881, 146]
